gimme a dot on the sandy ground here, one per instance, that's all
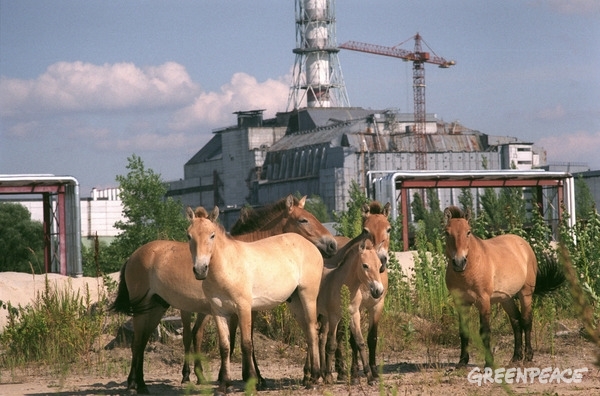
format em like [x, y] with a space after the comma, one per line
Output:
[415, 369]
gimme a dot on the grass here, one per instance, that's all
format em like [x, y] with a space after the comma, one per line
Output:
[61, 327]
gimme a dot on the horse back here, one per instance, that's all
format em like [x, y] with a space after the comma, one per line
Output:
[512, 262]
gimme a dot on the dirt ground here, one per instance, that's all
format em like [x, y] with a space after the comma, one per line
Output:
[416, 370]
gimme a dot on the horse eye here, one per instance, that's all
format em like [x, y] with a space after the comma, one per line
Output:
[389, 230]
[365, 266]
[212, 236]
[469, 233]
[303, 220]
[189, 237]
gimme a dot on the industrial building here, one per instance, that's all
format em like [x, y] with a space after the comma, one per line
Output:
[321, 144]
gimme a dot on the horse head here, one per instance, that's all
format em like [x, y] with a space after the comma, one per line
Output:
[368, 268]
[375, 221]
[458, 235]
[301, 221]
[201, 234]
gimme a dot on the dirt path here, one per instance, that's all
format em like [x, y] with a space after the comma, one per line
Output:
[416, 371]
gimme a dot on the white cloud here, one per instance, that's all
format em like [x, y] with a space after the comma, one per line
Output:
[581, 146]
[146, 142]
[555, 113]
[243, 92]
[580, 7]
[83, 87]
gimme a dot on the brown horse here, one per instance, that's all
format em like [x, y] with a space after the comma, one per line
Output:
[159, 275]
[356, 266]
[484, 272]
[240, 277]
[286, 215]
[375, 221]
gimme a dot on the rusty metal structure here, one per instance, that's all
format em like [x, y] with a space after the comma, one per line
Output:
[62, 222]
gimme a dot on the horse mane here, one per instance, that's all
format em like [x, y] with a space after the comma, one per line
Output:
[375, 207]
[342, 253]
[456, 212]
[201, 212]
[255, 219]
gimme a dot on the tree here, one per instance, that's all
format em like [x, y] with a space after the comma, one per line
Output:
[349, 223]
[21, 240]
[584, 200]
[149, 216]
[315, 205]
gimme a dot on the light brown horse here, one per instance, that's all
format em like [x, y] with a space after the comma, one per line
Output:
[375, 220]
[240, 277]
[159, 275]
[286, 215]
[484, 272]
[356, 266]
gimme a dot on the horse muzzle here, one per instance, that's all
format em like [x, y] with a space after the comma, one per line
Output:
[459, 264]
[200, 270]
[328, 247]
[376, 290]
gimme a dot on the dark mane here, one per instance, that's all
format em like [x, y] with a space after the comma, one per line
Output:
[342, 253]
[375, 208]
[456, 212]
[255, 219]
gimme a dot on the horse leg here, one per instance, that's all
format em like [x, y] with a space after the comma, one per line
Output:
[245, 318]
[186, 322]
[526, 322]
[261, 381]
[372, 338]
[354, 364]
[340, 359]
[198, 334]
[222, 323]
[143, 326]
[511, 309]
[360, 344]
[330, 347]
[305, 313]
[463, 332]
[323, 336]
[485, 308]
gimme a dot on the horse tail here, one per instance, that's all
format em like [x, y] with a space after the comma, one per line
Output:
[122, 303]
[550, 275]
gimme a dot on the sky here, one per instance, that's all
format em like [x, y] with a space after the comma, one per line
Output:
[84, 85]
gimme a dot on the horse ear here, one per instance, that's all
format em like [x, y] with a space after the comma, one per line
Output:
[387, 209]
[301, 202]
[289, 203]
[214, 215]
[468, 214]
[365, 210]
[190, 213]
[447, 216]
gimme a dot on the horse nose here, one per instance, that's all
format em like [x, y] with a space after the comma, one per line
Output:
[331, 247]
[200, 271]
[459, 263]
[384, 259]
[376, 290]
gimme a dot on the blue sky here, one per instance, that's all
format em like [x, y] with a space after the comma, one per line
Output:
[86, 84]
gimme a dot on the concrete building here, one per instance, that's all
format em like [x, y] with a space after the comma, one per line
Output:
[321, 151]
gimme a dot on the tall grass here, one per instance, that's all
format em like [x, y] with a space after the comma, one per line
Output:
[58, 328]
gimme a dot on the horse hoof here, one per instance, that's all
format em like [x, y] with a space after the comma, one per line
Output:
[342, 378]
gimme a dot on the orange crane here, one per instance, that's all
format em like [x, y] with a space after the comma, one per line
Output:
[418, 58]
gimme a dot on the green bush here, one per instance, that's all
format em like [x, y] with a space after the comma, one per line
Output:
[58, 328]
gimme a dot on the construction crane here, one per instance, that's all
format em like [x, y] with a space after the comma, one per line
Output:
[418, 58]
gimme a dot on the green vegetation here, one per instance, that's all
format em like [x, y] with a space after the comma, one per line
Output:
[59, 328]
[21, 240]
